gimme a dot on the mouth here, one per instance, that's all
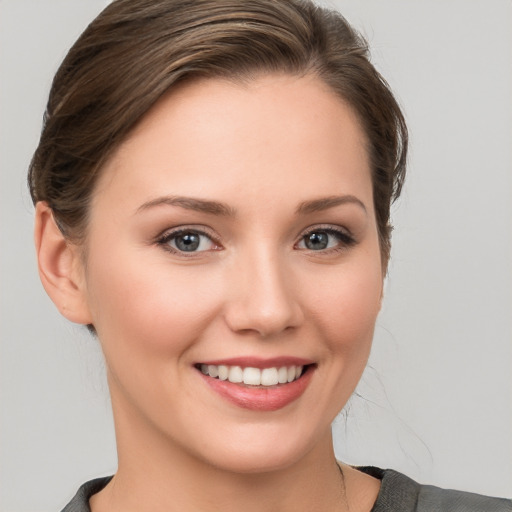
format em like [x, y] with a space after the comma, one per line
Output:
[251, 376]
[258, 385]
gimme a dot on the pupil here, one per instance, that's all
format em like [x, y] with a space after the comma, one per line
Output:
[188, 242]
[317, 241]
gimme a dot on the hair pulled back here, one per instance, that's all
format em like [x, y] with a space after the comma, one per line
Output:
[136, 50]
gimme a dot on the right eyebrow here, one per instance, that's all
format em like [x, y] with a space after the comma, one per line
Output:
[190, 203]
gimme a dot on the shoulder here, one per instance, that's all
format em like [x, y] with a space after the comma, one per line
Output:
[400, 493]
[80, 502]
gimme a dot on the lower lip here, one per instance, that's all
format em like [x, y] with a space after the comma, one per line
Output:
[260, 398]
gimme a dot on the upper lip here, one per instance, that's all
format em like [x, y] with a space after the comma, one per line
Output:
[260, 362]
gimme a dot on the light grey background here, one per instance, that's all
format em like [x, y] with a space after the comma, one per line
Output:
[437, 400]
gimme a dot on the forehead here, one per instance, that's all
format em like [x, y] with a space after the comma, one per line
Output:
[272, 134]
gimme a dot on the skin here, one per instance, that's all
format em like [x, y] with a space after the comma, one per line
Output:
[261, 149]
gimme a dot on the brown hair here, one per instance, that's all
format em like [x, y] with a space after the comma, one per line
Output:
[136, 50]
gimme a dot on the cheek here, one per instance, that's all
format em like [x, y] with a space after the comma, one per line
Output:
[149, 310]
[347, 303]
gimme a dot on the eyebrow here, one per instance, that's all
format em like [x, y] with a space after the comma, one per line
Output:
[223, 210]
[190, 203]
[324, 203]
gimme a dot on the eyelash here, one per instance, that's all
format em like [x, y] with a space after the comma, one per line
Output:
[165, 239]
[345, 240]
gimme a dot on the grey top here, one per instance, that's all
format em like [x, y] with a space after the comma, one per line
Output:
[398, 493]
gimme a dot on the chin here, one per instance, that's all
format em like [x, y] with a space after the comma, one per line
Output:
[249, 462]
[264, 451]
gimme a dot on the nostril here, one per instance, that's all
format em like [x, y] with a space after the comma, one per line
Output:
[247, 319]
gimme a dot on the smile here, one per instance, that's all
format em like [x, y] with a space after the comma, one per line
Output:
[253, 376]
[258, 385]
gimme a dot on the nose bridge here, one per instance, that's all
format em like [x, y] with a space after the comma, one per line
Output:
[262, 298]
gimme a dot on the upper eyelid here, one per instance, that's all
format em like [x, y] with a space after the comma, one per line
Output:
[206, 231]
[326, 227]
[202, 230]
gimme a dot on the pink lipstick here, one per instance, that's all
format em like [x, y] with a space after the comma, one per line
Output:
[258, 384]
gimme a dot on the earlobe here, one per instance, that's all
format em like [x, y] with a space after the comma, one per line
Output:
[60, 267]
[383, 290]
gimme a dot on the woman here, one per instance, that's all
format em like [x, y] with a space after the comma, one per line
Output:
[212, 188]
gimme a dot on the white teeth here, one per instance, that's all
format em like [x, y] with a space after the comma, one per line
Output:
[282, 375]
[235, 374]
[253, 376]
[223, 372]
[269, 377]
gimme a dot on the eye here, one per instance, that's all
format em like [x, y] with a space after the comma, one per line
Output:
[324, 239]
[187, 241]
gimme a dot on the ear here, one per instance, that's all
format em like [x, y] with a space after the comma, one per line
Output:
[383, 291]
[384, 282]
[60, 267]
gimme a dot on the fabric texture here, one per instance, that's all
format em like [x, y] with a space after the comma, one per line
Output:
[398, 493]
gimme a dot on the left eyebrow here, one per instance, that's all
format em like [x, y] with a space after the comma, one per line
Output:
[324, 203]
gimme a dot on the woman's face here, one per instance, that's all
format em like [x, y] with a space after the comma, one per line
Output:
[233, 236]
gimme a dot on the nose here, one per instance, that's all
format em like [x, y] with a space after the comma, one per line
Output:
[262, 298]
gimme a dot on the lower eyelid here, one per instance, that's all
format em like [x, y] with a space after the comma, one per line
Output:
[343, 241]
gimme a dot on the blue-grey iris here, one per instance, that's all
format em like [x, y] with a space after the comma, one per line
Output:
[187, 242]
[317, 241]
